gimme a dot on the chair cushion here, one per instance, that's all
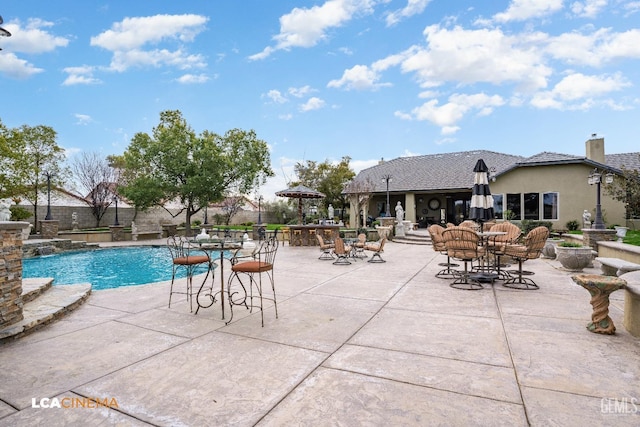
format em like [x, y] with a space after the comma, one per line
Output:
[251, 267]
[191, 260]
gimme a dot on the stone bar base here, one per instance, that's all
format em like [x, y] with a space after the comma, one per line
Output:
[11, 272]
[49, 228]
[117, 233]
[591, 237]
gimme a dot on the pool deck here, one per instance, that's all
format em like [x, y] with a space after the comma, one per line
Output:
[372, 344]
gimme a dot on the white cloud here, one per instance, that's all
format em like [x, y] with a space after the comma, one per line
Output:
[126, 39]
[83, 119]
[12, 66]
[359, 77]
[522, 10]
[313, 103]
[631, 7]
[193, 78]
[472, 56]
[276, 97]
[579, 91]
[301, 92]
[595, 49]
[32, 38]
[588, 8]
[447, 116]
[305, 27]
[413, 7]
[80, 75]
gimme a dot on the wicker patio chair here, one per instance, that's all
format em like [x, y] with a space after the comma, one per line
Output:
[463, 244]
[326, 248]
[341, 251]
[531, 248]
[435, 231]
[497, 245]
[376, 248]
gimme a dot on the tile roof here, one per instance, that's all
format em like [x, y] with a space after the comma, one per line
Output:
[454, 171]
[448, 171]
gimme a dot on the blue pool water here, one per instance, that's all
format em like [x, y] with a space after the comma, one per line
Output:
[105, 268]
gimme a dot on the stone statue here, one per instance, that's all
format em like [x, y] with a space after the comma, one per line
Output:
[586, 219]
[399, 213]
[5, 212]
[74, 220]
[330, 211]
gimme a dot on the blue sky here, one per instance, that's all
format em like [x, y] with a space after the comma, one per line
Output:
[319, 80]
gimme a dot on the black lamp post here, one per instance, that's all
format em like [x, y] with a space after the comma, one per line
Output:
[115, 199]
[387, 178]
[260, 210]
[48, 175]
[595, 177]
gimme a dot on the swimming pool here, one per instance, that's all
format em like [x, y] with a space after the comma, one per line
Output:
[105, 268]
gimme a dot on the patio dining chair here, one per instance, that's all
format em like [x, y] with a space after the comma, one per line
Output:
[497, 245]
[359, 246]
[260, 264]
[463, 244]
[376, 248]
[325, 247]
[342, 252]
[435, 232]
[531, 248]
[186, 256]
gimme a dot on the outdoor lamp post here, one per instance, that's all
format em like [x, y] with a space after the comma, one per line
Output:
[260, 210]
[49, 175]
[115, 199]
[595, 177]
[387, 178]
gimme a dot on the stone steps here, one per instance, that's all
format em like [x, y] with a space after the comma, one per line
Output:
[415, 238]
[43, 304]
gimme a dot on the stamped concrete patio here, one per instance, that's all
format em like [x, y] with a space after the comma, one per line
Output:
[364, 344]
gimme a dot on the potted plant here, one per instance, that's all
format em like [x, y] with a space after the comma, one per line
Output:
[574, 256]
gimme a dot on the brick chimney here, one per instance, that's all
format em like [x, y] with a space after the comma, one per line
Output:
[595, 148]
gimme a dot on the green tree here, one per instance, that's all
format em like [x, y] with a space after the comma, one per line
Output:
[626, 189]
[175, 164]
[33, 155]
[327, 178]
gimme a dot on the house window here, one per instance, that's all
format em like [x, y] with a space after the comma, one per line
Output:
[498, 205]
[514, 204]
[532, 206]
[550, 206]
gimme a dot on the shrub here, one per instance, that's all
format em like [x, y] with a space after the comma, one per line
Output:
[527, 225]
[573, 225]
[18, 213]
[570, 245]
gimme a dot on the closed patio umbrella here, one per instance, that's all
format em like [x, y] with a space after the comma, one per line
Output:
[300, 192]
[481, 199]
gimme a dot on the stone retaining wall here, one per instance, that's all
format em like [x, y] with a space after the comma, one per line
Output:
[11, 272]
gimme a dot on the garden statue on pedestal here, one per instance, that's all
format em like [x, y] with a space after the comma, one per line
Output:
[5, 212]
[586, 219]
[330, 211]
[399, 213]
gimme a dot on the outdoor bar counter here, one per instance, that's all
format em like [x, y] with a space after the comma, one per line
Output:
[305, 235]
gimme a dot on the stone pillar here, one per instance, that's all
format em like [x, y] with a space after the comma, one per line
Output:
[117, 233]
[49, 228]
[592, 236]
[11, 272]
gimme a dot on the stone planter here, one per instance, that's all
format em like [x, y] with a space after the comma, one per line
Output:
[383, 231]
[549, 250]
[621, 232]
[574, 259]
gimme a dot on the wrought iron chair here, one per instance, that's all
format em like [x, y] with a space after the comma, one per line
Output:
[185, 255]
[261, 264]
[531, 248]
[342, 252]
[435, 231]
[463, 244]
[326, 248]
[376, 248]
